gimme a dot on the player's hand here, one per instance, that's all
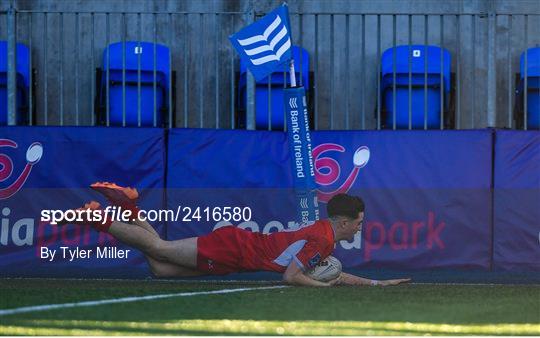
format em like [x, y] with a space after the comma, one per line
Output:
[335, 281]
[394, 281]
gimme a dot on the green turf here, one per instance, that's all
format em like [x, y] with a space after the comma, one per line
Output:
[401, 310]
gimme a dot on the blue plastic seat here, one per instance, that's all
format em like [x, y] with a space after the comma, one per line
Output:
[419, 55]
[277, 81]
[533, 86]
[133, 51]
[23, 83]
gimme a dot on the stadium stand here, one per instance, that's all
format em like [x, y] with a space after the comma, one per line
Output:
[138, 56]
[275, 83]
[425, 80]
[23, 83]
[443, 206]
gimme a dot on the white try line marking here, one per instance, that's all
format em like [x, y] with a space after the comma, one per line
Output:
[127, 300]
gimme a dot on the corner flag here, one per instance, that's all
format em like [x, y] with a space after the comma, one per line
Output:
[265, 44]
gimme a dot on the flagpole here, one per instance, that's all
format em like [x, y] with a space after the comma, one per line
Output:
[292, 73]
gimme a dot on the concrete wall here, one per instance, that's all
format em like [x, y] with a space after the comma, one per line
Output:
[340, 36]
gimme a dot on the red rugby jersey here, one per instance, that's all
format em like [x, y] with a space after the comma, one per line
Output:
[307, 245]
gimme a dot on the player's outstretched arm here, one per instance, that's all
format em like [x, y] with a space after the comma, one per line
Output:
[295, 276]
[348, 279]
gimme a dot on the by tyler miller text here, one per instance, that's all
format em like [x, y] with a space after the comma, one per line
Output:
[76, 253]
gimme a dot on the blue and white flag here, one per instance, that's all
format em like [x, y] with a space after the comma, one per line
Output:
[265, 44]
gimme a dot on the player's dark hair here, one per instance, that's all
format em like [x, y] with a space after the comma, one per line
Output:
[345, 205]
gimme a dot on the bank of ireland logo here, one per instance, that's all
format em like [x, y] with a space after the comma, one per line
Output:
[328, 170]
[33, 155]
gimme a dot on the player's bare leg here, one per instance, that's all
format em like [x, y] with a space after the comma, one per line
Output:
[146, 226]
[127, 198]
[170, 258]
[167, 270]
[159, 268]
[181, 252]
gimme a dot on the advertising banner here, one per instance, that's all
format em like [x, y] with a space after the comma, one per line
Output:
[427, 194]
[516, 233]
[51, 168]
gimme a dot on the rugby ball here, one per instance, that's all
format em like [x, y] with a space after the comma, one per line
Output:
[328, 269]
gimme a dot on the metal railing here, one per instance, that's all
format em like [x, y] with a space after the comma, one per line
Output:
[345, 50]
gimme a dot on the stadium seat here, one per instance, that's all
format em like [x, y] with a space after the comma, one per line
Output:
[23, 83]
[277, 80]
[422, 58]
[533, 86]
[133, 51]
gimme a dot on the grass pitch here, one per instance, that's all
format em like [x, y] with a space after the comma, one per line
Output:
[401, 310]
